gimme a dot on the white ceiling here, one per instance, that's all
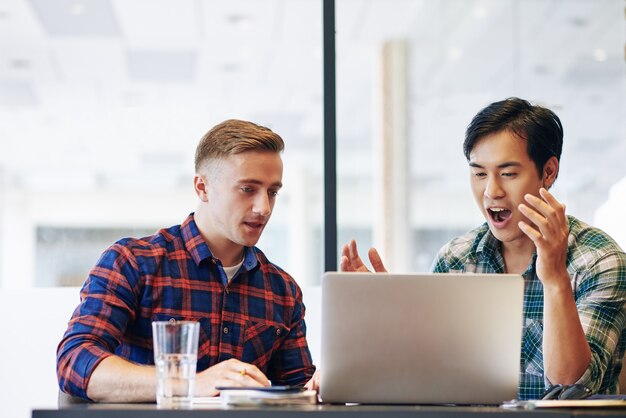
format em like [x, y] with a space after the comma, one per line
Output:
[94, 90]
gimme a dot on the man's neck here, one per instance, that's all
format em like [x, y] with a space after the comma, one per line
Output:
[517, 255]
[229, 253]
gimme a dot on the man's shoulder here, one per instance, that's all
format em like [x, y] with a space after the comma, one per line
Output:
[148, 245]
[587, 245]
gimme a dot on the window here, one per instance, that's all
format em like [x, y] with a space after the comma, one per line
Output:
[412, 74]
[103, 103]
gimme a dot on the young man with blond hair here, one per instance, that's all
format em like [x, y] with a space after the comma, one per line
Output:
[207, 269]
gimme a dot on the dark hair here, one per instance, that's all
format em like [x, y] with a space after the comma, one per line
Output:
[540, 127]
[235, 136]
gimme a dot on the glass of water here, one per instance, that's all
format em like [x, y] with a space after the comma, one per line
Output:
[175, 357]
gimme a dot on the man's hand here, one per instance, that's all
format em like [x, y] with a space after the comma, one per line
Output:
[314, 383]
[350, 260]
[549, 233]
[231, 372]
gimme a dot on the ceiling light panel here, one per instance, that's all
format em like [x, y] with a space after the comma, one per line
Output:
[18, 24]
[77, 18]
[177, 66]
[159, 24]
[17, 93]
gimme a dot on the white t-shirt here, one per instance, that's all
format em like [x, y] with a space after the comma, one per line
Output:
[230, 271]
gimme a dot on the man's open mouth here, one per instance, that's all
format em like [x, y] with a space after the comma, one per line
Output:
[499, 214]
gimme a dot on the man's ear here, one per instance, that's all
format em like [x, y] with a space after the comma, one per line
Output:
[550, 172]
[200, 186]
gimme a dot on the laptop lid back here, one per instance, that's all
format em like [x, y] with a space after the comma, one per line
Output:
[420, 338]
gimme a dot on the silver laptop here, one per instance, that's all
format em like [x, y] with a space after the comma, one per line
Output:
[420, 338]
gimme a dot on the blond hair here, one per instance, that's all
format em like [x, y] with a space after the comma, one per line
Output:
[235, 136]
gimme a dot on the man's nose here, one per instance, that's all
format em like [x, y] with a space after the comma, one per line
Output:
[493, 189]
[262, 205]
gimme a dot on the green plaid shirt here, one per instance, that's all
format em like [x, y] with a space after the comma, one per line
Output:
[597, 267]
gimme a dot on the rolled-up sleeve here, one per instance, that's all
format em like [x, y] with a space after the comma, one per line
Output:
[108, 303]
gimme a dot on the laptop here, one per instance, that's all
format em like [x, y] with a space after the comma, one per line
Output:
[420, 338]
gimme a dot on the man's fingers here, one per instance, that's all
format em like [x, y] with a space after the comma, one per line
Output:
[377, 262]
[547, 205]
[538, 204]
[556, 207]
[244, 374]
[351, 261]
[344, 264]
[549, 198]
[535, 217]
[531, 232]
[250, 375]
[354, 262]
[354, 253]
[345, 251]
[314, 383]
[347, 263]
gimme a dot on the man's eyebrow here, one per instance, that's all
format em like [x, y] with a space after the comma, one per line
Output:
[503, 165]
[510, 164]
[259, 182]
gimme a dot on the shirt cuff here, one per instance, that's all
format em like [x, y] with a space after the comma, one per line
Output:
[85, 363]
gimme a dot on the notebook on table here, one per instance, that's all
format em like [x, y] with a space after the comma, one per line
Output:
[420, 338]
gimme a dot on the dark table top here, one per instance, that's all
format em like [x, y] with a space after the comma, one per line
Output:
[321, 411]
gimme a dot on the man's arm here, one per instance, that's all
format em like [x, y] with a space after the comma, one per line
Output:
[108, 300]
[566, 344]
[118, 380]
[566, 353]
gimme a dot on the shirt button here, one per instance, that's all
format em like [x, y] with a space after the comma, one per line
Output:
[277, 331]
[225, 330]
[227, 291]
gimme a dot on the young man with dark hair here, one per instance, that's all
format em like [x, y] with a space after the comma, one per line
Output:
[207, 269]
[575, 275]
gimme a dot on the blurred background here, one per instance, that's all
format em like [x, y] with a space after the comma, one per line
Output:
[102, 103]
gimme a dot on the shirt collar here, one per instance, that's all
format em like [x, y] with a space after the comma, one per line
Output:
[199, 250]
[250, 260]
[194, 242]
[489, 248]
[486, 244]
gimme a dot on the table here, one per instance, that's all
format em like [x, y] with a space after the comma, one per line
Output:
[319, 411]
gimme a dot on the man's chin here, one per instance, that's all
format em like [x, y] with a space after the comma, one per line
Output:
[249, 241]
[505, 235]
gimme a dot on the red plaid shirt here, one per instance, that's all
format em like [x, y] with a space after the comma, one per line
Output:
[257, 317]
